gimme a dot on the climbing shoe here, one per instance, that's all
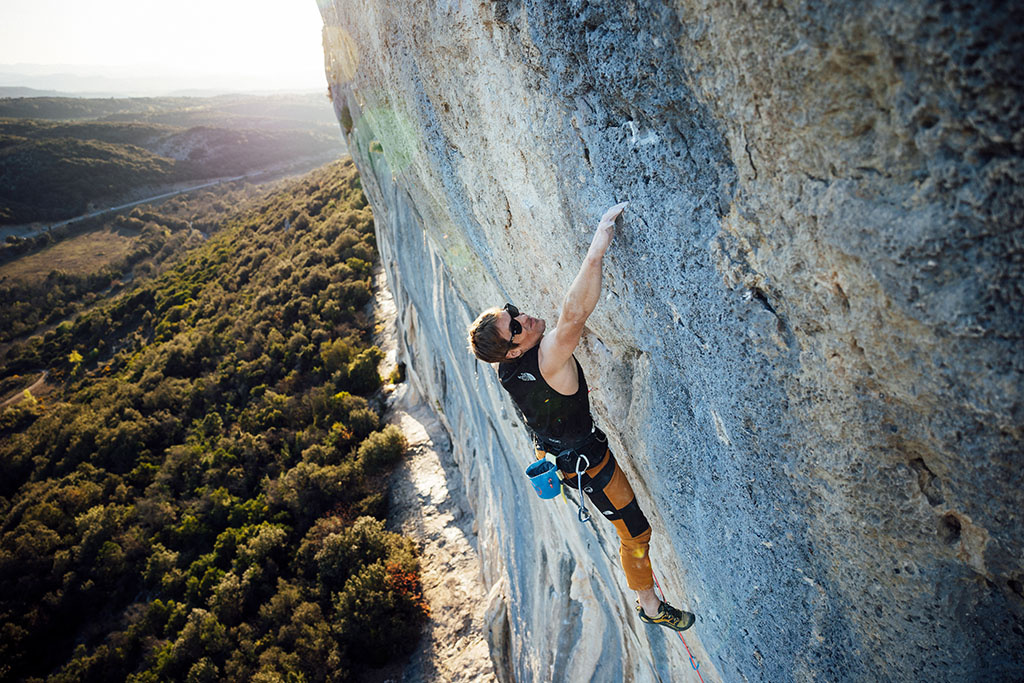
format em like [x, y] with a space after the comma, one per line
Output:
[668, 616]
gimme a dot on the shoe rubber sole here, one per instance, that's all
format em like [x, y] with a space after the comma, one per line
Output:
[680, 621]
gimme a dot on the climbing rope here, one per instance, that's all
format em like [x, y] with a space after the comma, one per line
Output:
[693, 662]
[583, 514]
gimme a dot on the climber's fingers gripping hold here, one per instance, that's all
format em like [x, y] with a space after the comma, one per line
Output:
[611, 214]
[606, 228]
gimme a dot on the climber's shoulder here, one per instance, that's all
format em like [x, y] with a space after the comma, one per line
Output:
[557, 366]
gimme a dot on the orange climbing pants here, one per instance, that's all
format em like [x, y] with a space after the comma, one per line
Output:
[609, 490]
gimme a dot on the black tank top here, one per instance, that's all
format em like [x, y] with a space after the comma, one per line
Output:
[556, 419]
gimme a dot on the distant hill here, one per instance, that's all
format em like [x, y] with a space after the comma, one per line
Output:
[57, 155]
[49, 179]
[77, 80]
[17, 91]
[294, 109]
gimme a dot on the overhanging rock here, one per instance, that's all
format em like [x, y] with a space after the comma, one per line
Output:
[809, 356]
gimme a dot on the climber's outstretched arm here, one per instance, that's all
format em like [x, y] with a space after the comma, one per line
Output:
[557, 347]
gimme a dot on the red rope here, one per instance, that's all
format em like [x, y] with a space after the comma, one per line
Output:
[693, 662]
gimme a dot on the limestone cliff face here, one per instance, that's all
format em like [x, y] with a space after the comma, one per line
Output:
[809, 356]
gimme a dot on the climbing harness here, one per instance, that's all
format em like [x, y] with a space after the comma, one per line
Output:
[693, 661]
[581, 465]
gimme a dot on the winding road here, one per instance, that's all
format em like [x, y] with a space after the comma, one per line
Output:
[20, 393]
[99, 212]
[272, 173]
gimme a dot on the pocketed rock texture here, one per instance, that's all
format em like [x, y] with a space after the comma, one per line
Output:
[809, 356]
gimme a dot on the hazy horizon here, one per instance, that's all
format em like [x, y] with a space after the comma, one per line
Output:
[71, 80]
[133, 50]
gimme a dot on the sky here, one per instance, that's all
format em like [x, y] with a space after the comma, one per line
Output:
[262, 44]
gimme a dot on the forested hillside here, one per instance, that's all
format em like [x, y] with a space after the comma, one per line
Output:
[66, 270]
[200, 495]
[101, 150]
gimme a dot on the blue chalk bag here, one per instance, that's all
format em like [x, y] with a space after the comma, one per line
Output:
[544, 477]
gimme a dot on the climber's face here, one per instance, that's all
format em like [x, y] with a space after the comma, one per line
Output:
[522, 330]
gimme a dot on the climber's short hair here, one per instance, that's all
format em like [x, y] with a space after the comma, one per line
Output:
[484, 338]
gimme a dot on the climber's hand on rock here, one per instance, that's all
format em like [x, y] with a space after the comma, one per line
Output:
[605, 229]
[611, 214]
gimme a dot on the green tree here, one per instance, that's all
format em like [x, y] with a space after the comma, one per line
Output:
[362, 371]
[382, 449]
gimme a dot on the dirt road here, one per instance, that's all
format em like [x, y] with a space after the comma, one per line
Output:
[20, 393]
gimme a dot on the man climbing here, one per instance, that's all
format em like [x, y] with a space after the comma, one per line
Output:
[546, 381]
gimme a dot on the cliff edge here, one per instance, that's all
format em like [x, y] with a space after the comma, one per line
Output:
[809, 353]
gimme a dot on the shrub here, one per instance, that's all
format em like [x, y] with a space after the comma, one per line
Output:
[362, 421]
[343, 404]
[362, 371]
[337, 354]
[308, 489]
[383, 610]
[382, 449]
[344, 553]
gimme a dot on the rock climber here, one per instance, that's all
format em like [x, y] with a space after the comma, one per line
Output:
[546, 381]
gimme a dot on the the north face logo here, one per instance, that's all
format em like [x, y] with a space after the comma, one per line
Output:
[527, 377]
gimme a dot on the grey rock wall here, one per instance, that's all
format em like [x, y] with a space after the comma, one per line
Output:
[809, 356]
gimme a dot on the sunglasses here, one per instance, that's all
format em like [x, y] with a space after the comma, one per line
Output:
[513, 325]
